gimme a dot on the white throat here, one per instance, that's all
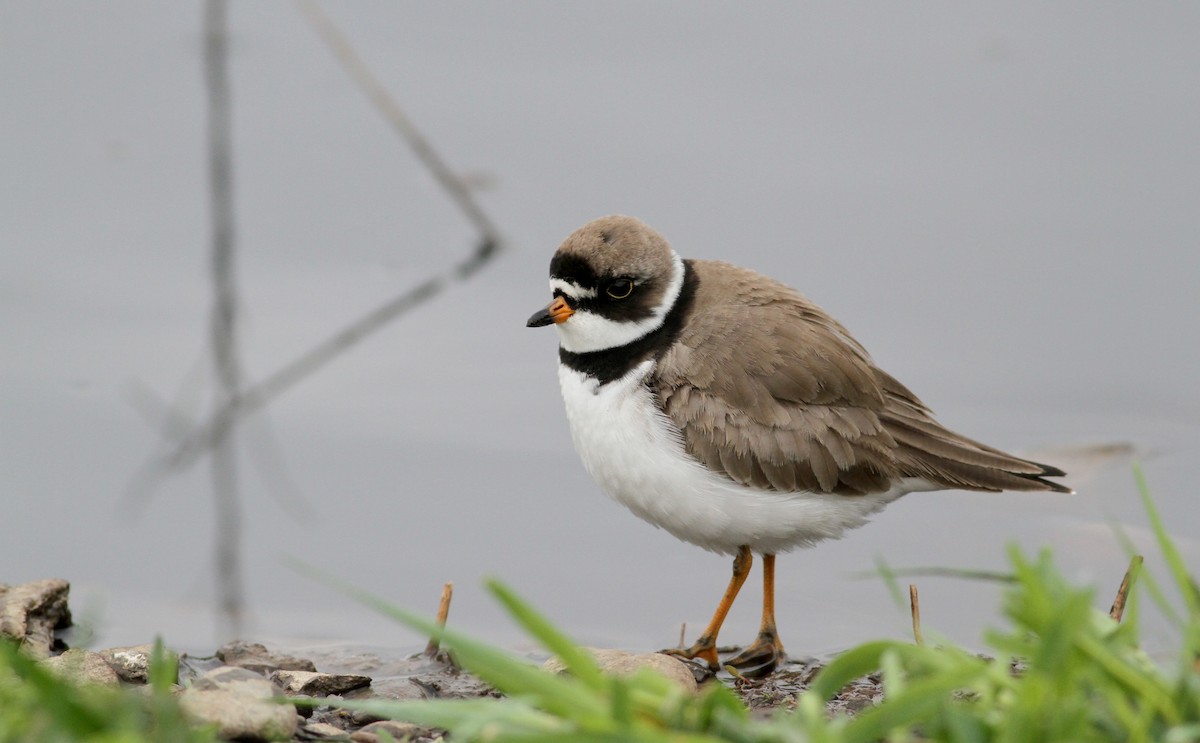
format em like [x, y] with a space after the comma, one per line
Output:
[585, 331]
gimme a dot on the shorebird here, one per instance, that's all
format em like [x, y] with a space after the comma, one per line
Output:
[726, 408]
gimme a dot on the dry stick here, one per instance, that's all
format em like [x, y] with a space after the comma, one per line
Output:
[387, 105]
[223, 325]
[201, 439]
[915, 605]
[258, 395]
[1118, 606]
[174, 425]
[937, 572]
[442, 614]
[682, 634]
[191, 447]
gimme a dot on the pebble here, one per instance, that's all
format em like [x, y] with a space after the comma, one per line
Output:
[240, 703]
[396, 687]
[319, 684]
[30, 612]
[624, 663]
[256, 657]
[399, 731]
[132, 663]
[323, 731]
[83, 666]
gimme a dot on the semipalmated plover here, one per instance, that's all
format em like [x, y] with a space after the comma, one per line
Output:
[727, 409]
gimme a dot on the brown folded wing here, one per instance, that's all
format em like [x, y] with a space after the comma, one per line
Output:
[772, 392]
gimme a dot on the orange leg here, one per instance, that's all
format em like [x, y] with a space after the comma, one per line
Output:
[705, 647]
[766, 652]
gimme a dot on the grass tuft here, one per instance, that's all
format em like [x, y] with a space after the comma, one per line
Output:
[1064, 670]
[38, 705]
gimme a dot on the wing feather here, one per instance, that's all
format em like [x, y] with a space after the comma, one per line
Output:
[795, 404]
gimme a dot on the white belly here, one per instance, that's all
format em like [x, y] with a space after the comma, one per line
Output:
[636, 455]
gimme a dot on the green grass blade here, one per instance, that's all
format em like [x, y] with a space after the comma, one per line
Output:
[920, 700]
[57, 695]
[558, 694]
[578, 662]
[848, 666]
[164, 668]
[989, 576]
[1179, 571]
[461, 715]
[1148, 687]
[889, 579]
[622, 706]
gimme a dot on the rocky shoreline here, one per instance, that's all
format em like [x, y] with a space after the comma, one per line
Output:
[239, 687]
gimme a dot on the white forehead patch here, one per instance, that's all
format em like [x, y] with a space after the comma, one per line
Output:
[571, 289]
[585, 331]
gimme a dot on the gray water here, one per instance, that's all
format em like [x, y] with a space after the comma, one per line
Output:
[1001, 203]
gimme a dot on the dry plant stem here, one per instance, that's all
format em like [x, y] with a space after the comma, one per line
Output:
[1118, 606]
[192, 446]
[189, 447]
[682, 634]
[443, 614]
[940, 572]
[223, 323]
[391, 111]
[915, 604]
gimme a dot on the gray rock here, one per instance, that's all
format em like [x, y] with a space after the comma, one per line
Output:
[623, 663]
[192, 667]
[399, 731]
[83, 666]
[256, 657]
[30, 612]
[132, 663]
[242, 705]
[360, 717]
[319, 684]
[322, 731]
[338, 718]
[395, 687]
[222, 677]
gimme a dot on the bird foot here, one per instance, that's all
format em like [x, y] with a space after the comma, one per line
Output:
[759, 659]
[704, 649]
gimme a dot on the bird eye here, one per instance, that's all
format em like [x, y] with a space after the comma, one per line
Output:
[620, 288]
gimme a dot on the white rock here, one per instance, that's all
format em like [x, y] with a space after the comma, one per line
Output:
[132, 663]
[83, 665]
[241, 704]
[624, 663]
[324, 730]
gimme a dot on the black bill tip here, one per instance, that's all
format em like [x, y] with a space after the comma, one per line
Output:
[540, 318]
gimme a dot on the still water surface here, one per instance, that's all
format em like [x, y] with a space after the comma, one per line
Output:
[999, 203]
